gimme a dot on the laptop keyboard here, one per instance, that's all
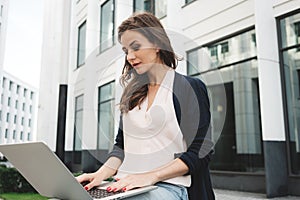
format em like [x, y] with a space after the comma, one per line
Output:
[101, 193]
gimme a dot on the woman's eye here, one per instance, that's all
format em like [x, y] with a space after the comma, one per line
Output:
[135, 47]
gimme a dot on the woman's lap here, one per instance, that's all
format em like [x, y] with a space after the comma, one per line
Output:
[164, 191]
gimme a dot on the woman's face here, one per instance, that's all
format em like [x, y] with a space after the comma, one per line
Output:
[140, 53]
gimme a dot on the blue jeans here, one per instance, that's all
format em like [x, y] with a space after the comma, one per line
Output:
[164, 191]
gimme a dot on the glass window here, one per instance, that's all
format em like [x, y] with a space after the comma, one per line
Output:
[107, 25]
[189, 1]
[106, 109]
[15, 119]
[229, 69]
[290, 31]
[25, 92]
[18, 89]
[14, 134]
[10, 85]
[3, 82]
[21, 136]
[158, 8]
[217, 55]
[78, 123]
[290, 46]
[1, 10]
[81, 44]
[0, 115]
[8, 101]
[28, 136]
[6, 133]
[7, 117]
[31, 95]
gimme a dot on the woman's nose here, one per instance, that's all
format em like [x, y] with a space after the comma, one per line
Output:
[130, 55]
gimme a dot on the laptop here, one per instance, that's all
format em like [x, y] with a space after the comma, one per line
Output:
[51, 178]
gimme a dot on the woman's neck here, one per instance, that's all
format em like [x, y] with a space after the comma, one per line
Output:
[157, 74]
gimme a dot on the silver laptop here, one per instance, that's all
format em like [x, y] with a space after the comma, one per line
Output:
[50, 177]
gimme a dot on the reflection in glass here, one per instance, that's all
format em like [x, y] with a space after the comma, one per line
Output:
[234, 49]
[234, 96]
[290, 30]
[290, 38]
[292, 87]
[158, 8]
[107, 25]
[78, 123]
[81, 44]
[106, 109]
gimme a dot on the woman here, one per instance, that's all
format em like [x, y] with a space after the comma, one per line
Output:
[164, 121]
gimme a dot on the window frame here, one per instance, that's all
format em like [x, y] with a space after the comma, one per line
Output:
[221, 41]
[78, 63]
[75, 120]
[281, 51]
[152, 8]
[99, 117]
[101, 25]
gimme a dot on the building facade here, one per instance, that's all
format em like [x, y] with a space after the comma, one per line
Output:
[3, 25]
[246, 51]
[17, 110]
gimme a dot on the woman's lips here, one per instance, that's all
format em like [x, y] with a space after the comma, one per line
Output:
[136, 64]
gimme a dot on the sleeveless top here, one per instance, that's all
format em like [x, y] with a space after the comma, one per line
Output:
[152, 137]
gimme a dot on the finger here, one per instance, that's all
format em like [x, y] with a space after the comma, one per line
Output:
[117, 186]
[90, 185]
[82, 178]
[128, 187]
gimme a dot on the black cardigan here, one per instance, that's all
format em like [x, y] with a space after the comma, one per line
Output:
[191, 106]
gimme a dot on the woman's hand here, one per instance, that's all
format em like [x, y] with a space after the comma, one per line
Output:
[93, 180]
[133, 181]
[105, 171]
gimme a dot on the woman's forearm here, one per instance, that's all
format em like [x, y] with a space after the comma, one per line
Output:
[171, 170]
[109, 168]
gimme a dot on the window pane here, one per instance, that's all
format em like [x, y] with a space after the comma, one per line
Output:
[143, 5]
[223, 53]
[78, 130]
[160, 8]
[78, 123]
[81, 44]
[106, 125]
[188, 1]
[234, 93]
[192, 63]
[107, 25]
[290, 30]
[239, 146]
[106, 108]
[107, 92]
[292, 88]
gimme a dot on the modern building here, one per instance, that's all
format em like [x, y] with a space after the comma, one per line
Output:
[246, 51]
[17, 110]
[3, 25]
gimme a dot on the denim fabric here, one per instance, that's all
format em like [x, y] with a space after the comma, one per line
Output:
[164, 191]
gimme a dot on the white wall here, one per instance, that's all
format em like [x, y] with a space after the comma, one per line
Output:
[55, 58]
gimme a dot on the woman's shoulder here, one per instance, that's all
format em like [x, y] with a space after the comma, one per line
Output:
[195, 82]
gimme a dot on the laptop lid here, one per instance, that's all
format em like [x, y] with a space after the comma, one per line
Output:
[47, 174]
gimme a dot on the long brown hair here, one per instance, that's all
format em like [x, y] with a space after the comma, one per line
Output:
[135, 85]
